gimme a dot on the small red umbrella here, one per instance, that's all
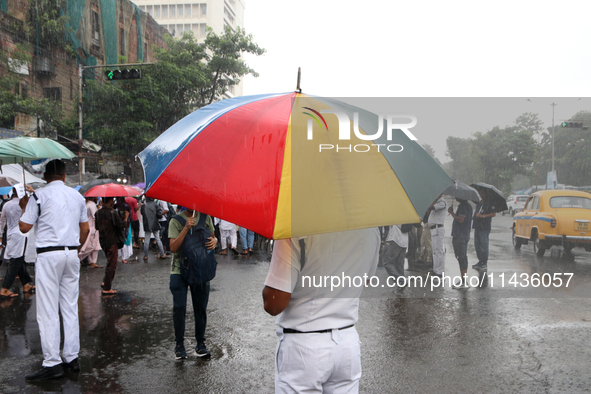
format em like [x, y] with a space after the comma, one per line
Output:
[111, 190]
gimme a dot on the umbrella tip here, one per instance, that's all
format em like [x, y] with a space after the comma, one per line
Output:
[298, 89]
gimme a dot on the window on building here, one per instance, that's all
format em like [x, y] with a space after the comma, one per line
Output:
[203, 9]
[24, 90]
[150, 11]
[180, 9]
[71, 89]
[187, 10]
[54, 94]
[142, 8]
[96, 29]
[156, 11]
[203, 30]
[165, 11]
[172, 10]
[122, 42]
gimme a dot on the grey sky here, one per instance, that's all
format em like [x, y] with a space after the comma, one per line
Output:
[373, 48]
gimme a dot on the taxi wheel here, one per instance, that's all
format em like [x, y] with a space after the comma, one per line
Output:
[516, 240]
[539, 247]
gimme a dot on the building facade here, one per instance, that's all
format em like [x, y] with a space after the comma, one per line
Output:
[179, 16]
[101, 32]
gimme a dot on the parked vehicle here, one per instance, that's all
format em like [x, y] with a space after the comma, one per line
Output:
[554, 217]
[515, 203]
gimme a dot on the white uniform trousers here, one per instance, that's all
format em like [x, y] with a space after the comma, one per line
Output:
[229, 233]
[57, 287]
[437, 235]
[318, 363]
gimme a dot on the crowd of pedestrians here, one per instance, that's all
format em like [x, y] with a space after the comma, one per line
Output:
[316, 333]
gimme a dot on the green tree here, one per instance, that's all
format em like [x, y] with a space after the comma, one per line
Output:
[429, 149]
[125, 116]
[571, 150]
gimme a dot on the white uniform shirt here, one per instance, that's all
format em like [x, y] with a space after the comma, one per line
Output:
[437, 216]
[395, 234]
[62, 210]
[164, 207]
[15, 244]
[311, 308]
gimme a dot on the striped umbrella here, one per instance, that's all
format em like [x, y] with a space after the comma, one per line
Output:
[288, 165]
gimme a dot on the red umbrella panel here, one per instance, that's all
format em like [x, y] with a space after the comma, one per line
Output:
[111, 190]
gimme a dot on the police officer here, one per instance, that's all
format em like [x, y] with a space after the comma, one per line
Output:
[62, 226]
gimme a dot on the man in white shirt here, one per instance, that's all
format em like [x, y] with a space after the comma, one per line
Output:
[15, 244]
[318, 348]
[62, 226]
[436, 220]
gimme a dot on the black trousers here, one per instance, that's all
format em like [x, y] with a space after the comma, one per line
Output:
[16, 266]
[135, 228]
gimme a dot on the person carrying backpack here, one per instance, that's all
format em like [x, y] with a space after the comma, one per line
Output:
[191, 234]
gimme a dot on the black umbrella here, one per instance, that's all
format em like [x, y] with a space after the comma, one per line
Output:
[494, 194]
[462, 191]
[94, 183]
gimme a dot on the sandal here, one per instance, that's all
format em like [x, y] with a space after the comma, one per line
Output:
[161, 257]
[223, 253]
[244, 252]
[145, 258]
[234, 251]
[95, 266]
[9, 295]
[31, 288]
[109, 292]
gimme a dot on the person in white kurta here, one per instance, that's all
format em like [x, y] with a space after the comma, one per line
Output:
[92, 246]
[318, 348]
[62, 226]
[228, 230]
[15, 245]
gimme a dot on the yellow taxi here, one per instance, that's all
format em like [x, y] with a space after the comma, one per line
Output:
[554, 217]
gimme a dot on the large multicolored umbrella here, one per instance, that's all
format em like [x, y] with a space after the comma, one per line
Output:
[287, 165]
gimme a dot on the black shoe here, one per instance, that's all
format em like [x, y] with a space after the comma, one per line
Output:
[179, 352]
[46, 373]
[72, 365]
[477, 266]
[201, 351]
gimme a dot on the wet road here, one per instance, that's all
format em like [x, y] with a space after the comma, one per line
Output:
[491, 338]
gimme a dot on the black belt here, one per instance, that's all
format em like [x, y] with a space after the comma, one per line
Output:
[290, 331]
[435, 226]
[53, 248]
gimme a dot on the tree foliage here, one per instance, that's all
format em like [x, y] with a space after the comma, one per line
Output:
[496, 156]
[572, 151]
[127, 115]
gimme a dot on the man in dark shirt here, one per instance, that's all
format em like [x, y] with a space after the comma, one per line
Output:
[109, 224]
[485, 211]
[460, 233]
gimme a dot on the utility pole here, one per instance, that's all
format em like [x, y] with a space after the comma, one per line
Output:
[81, 69]
[553, 105]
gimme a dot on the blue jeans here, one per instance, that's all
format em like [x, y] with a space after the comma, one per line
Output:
[243, 238]
[481, 245]
[199, 298]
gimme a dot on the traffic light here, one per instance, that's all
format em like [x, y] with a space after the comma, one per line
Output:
[112, 75]
[576, 125]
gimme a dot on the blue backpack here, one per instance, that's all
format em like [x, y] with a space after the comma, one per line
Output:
[198, 264]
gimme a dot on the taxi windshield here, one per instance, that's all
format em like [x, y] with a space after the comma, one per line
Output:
[570, 202]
